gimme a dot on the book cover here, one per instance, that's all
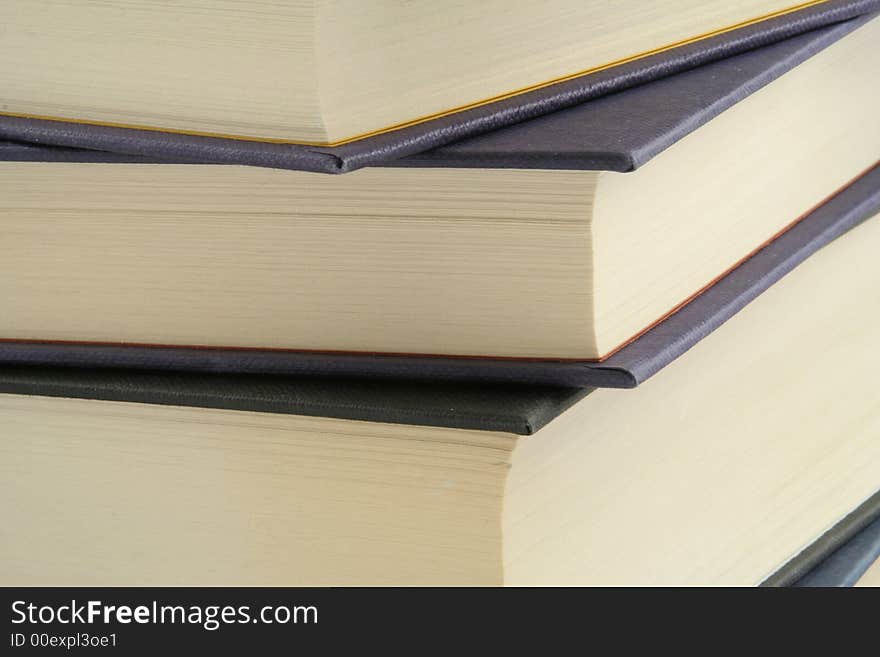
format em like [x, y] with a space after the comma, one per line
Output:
[515, 409]
[744, 60]
[840, 556]
[846, 565]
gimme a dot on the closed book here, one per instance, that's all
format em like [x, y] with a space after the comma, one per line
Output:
[627, 368]
[603, 140]
[725, 468]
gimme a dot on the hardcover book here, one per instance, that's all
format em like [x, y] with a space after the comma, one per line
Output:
[343, 85]
[748, 460]
[629, 367]
[247, 269]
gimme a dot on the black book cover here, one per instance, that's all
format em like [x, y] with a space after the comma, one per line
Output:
[502, 407]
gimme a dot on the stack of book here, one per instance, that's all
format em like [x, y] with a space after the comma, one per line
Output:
[594, 300]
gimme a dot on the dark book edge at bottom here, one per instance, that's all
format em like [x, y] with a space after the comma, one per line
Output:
[840, 556]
